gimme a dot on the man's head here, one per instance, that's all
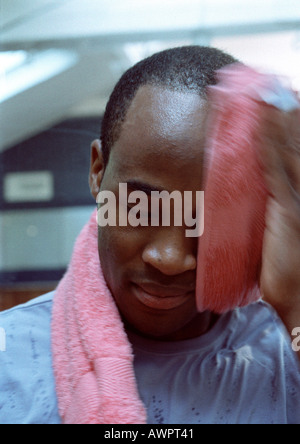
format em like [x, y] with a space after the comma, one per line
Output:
[153, 138]
[185, 69]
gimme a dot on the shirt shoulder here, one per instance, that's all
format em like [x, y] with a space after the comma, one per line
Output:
[27, 389]
[44, 300]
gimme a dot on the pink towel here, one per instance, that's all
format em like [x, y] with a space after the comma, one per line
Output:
[92, 357]
[230, 250]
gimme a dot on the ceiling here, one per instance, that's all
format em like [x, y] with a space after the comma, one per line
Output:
[66, 55]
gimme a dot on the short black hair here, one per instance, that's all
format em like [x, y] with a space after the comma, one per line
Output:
[187, 68]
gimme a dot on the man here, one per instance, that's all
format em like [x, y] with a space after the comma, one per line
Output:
[190, 367]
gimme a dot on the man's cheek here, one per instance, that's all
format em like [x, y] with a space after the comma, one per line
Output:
[114, 249]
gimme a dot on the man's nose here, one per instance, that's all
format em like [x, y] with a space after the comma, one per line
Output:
[171, 252]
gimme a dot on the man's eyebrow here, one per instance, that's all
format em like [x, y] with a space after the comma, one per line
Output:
[136, 185]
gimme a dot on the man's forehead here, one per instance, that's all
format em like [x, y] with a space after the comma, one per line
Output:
[160, 149]
[170, 105]
[161, 121]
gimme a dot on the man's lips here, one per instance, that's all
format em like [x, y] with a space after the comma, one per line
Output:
[161, 298]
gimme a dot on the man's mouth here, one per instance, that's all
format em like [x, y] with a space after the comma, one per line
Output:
[161, 298]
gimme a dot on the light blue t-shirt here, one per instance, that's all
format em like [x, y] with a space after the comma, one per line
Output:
[242, 371]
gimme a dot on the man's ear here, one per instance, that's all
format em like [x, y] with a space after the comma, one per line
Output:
[96, 168]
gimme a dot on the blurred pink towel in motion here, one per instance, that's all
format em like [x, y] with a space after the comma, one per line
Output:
[230, 250]
[92, 357]
[229, 254]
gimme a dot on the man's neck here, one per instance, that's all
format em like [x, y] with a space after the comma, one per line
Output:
[198, 326]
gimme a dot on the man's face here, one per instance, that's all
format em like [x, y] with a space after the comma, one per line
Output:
[151, 271]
